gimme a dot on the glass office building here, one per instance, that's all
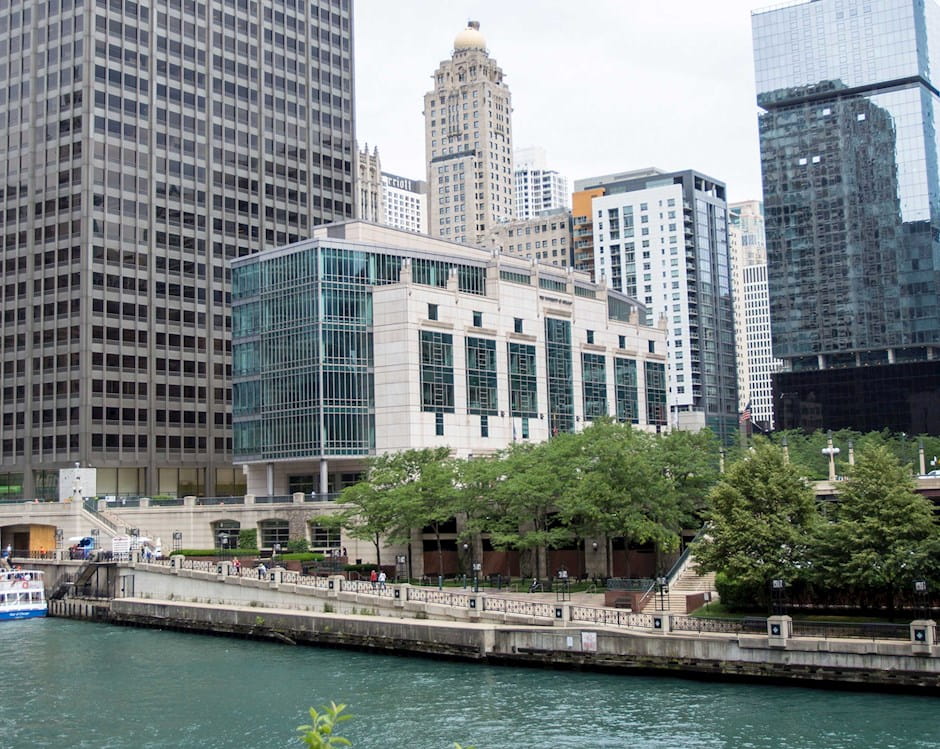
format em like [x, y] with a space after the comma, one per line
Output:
[146, 144]
[849, 152]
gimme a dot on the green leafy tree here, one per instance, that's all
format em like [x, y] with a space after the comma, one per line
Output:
[370, 514]
[690, 460]
[622, 489]
[531, 481]
[421, 485]
[881, 533]
[758, 528]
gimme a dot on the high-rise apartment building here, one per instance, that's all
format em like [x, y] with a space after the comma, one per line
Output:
[849, 153]
[582, 226]
[145, 146]
[748, 252]
[538, 188]
[468, 142]
[662, 238]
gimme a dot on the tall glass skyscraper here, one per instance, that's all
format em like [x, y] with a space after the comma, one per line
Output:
[144, 145]
[849, 152]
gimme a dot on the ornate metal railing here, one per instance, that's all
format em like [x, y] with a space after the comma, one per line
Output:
[859, 630]
[443, 597]
[747, 625]
[610, 617]
[516, 606]
[367, 586]
[310, 581]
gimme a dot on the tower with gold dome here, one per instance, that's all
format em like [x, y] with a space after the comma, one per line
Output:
[468, 142]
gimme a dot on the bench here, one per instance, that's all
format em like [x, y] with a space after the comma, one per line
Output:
[624, 603]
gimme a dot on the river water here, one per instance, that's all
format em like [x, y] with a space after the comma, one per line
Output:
[79, 684]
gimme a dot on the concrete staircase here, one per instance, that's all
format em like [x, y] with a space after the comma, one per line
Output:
[686, 583]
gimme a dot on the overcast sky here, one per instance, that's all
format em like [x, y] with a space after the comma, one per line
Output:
[602, 85]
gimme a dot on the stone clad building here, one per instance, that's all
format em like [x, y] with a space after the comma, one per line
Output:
[468, 142]
[365, 339]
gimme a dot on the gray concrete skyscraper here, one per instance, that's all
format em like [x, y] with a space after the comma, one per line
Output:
[849, 153]
[146, 144]
[468, 142]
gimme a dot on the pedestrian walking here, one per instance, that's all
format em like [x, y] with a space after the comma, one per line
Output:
[238, 566]
[262, 571]
[373, 578]
[382, 579]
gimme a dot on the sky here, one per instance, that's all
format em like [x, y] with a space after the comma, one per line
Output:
[602, 85]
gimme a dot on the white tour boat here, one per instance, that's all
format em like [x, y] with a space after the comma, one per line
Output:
[22, 595]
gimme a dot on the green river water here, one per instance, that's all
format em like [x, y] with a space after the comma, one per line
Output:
[79, 684]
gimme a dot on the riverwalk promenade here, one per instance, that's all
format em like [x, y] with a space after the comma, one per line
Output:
[493, 626]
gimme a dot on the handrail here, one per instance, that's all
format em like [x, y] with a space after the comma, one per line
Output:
[647, 594]
[90, 505]
[683, 558]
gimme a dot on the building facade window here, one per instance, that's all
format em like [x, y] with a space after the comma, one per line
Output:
[437, 372]
[559, 375]
[594, 386]
[656, 393]
[523, 383]
[481, 376]
[626, 391]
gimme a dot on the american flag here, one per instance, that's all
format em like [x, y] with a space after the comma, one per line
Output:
[746, 413]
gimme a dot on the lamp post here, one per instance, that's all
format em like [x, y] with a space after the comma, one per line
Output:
[177, 540]
[776, 592]
[223, 542]
[921, 602]
[831, 451]
[466, 556]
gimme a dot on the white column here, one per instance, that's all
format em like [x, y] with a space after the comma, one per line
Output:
[324, 475]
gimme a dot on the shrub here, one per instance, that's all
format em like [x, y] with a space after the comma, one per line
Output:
[738, 595]
[298, 546]
[308, 556]
[248, 538]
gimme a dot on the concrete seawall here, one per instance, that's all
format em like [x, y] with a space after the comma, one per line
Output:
[861, 664]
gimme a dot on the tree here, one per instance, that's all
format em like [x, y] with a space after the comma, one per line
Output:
[423, 492]
[758, 528]
[690, 460]
[622, 488]
[881, 535]
[402, 491]
[530, 481]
